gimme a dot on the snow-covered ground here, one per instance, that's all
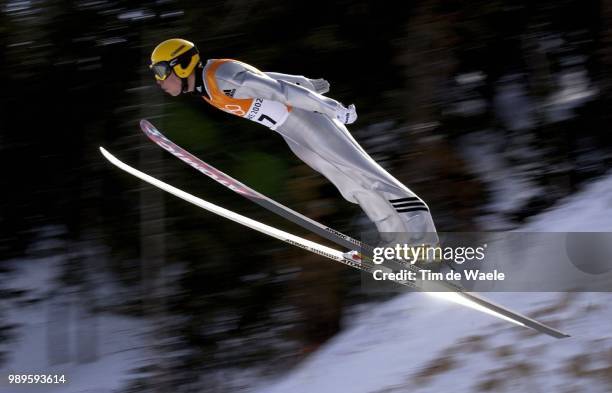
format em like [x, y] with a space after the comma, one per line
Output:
[416, 343]
[586, 211]
[54, 336]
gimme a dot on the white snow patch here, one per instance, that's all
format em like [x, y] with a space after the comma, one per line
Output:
[417, 343]
[41, 336]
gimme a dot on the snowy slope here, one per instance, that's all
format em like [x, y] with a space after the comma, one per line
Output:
[420, 344]
[44, 339]
[412, 343]
[588, 211]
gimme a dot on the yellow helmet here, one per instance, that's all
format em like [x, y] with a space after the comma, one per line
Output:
[175, 54]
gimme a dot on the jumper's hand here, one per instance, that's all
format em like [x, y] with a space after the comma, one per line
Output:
[321, 85]
[346, 115]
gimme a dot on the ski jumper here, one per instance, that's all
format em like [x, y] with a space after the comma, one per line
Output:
[307, 121]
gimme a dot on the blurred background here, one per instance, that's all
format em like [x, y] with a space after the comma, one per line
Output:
[491, 111]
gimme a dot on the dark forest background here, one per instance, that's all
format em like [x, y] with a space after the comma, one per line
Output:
[424, 75]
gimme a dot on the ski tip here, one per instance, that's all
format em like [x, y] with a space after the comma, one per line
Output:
[144, 124]
[148, 128]
[106, 154]
[102, 150]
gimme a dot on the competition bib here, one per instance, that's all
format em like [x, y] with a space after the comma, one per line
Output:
[266, 112]
[269, 113]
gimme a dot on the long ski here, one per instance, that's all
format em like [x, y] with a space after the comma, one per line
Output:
[464, 298]
[262, 200]
[322, 230]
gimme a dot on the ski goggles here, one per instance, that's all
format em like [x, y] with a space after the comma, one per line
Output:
[163, 69]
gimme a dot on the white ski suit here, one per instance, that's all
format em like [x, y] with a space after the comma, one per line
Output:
[289, 105]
